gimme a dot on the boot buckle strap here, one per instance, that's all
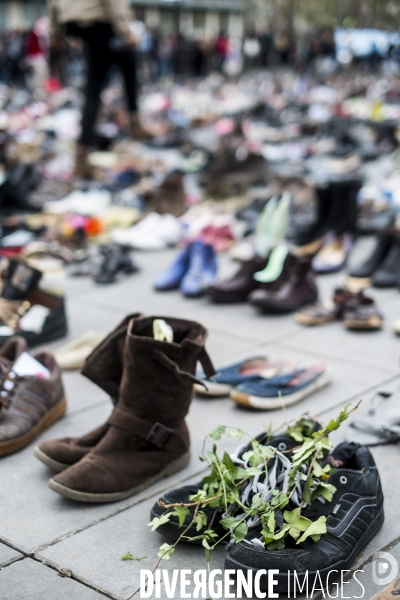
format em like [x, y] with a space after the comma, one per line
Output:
[159, 435]
[156, 434]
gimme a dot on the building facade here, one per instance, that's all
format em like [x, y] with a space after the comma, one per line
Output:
[190, 17]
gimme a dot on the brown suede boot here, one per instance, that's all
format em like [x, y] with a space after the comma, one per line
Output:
[136, 130]
[104, 368]
[389, 592]
[147, 438]
[82, 168]
[169, 197]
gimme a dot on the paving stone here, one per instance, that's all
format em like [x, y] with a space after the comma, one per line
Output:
[94, 555]
[379, 349]
[30, 580]
[8, 555]
[370, 577]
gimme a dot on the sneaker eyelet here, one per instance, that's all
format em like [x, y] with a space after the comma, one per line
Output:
[282, 446]
[343, 480]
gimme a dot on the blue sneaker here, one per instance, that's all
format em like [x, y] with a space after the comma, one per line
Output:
[202, 269]
[230, 377]
[171, 278]
[284, 390]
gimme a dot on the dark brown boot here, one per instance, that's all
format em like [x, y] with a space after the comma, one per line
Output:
[104, 368]
[82, 168]
[169, 197]
[137, 131]
[147, 438]
[294, 288]
[240, 286]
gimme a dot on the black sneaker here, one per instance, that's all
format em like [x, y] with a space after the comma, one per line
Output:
[114, 261]
[354, 516]
[27, 310]
[171, 530]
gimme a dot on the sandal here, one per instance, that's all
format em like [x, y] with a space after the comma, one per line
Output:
[362, 313]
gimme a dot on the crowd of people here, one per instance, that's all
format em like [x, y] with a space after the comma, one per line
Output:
[26, 57]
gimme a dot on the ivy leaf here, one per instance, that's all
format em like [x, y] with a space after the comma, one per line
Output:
[181, 512]
[238, 434]
[200, 520]
[253, 472]
[157, 521]
[228, 522]
[239, 473]
[201, 495]
[217, 433]
[240, 532]
[207, 549]
[297, 522]
[326, 490]
[316, 528]
[228, 462]
[281, 534]
[210, 534]
[307, 489]
[129, 556]
[166, 551]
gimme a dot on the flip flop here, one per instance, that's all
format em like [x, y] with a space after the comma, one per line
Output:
[229, 377]
[281, 391]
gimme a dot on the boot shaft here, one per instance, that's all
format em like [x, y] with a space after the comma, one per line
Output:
[158, 376]
[104, 366]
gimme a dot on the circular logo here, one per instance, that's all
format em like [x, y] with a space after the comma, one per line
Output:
[384, 568]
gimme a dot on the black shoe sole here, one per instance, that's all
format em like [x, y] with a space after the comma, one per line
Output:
[343, 565]
[273, 307]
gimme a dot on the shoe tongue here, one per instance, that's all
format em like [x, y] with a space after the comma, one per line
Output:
[283, 443]
[20, 280]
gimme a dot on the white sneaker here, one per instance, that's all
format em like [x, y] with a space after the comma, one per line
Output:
[154, 232]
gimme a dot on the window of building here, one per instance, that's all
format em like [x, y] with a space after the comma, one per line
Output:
[223, 21]
[199, 19]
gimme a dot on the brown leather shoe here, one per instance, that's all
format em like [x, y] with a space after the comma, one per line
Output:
[82, 168]
[239, 287]
[294, 288]
[168, 197]
[137, 131]
[147, 438]
[30, 406]
[28, 311]
[104, 368]
[390, 592]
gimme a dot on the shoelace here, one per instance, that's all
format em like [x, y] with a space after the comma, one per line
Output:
[276, 477]
[8, 384]
[12, 310]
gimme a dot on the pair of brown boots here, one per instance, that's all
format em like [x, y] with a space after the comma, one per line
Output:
[146, 437]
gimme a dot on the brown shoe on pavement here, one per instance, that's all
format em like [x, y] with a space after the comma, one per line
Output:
[82, 168]
[294, 288]
[147, 438]
[389, 592]
[137, 131]
[239, 287]
[104, 368]
[29, 403]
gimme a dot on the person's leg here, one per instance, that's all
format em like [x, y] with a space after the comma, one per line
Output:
[98, 59]
[126, 62]
[98, 62]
